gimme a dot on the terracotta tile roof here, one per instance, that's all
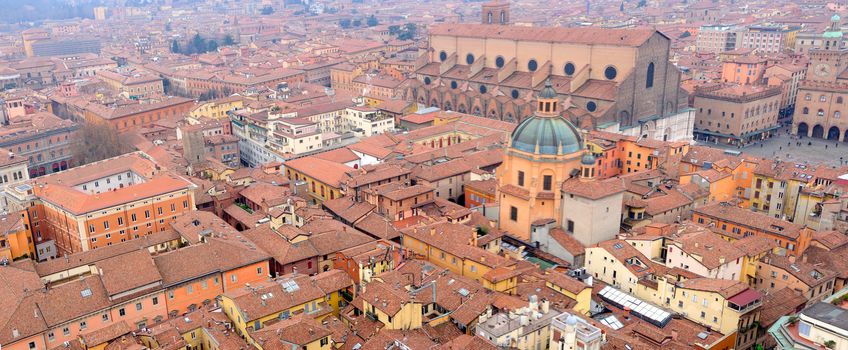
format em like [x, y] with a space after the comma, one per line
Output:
[338, 155]
[297, 330]
[489, 186]
[216, 255]
[330, 173]
[780, 303]
[806, 272]
[59, 189]
[277, 245]
[745, 217]
[330, 242]
[595, 189]
[117, 278]
[709, 248]
[755, 245]
[623, 251]
[568, 241]
[195, 224]
[830, 239]
[725, 288]
[406, 192]
[832, 259]
[105, 334]
[412, 339]
[515, 191]
[377, 226]
[455, 239]
[566, 282]
[386, 298]
[348, 208]
[253, 306]
[593, 35]
[370, 149]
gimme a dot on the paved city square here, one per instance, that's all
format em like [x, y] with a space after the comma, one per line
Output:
[785, 146]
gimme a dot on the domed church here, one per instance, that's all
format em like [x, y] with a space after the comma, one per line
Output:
[545, 150]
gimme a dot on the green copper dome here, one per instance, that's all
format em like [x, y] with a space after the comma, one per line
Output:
[548, 91]
[835, 18]
[549, 133]
[588, 159]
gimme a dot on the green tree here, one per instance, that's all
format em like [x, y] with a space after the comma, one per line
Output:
[621, 7]
[408, 32]
[228, 40]
[175, 46]
[345, 23]
[198, 44]
[357, 23]
[267, 10]
[372, 21]
[394, 30]
[211, 45]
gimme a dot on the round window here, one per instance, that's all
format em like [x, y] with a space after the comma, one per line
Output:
[453, 84]
[532, 65]
[483, 89]
[427, 80]
[591, 106]
[499, 62]
[443, 56]
[469, 59]
[514, 93]
[610, 73]
[569, 68]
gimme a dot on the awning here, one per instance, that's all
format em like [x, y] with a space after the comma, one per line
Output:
[746, 297]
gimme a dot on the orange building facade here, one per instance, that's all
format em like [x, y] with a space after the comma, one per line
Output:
[107, 202]
[734, 223]
[137, 115]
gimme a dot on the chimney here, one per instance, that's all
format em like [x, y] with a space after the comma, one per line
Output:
[674, 334]
[791, 259]
[721, 260]
[432, 231]
[804, 258]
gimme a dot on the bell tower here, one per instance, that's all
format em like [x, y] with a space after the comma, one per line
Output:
[496, 12]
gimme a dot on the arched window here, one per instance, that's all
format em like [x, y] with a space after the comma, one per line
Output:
[808, 97]
[836, 115]
[839, 100]
[820, 112]
[489, 18]
[822, 98]
[503, 17]
[806, 110]
[649, 79]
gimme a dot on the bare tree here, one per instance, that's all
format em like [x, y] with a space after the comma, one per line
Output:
[97, 142]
